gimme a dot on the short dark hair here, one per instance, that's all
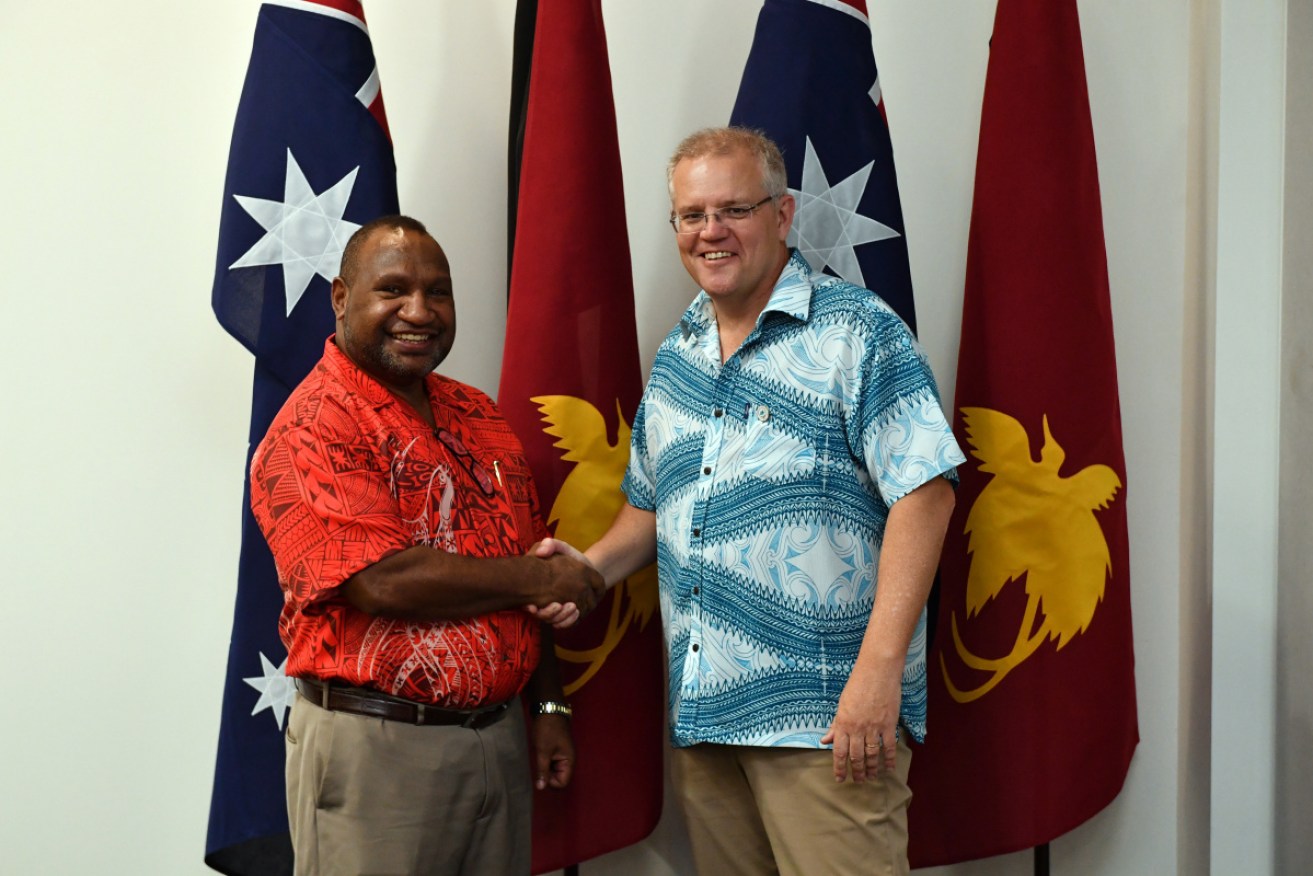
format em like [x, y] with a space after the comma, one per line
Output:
[351, 252]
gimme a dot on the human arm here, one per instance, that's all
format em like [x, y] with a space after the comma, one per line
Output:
[869, 704]
[629, 545]
[552, 744]
[421, 583]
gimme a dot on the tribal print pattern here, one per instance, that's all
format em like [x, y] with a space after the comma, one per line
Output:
[349, 475]
[772, 477]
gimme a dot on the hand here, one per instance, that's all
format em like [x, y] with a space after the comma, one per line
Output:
[552, 546]
[557, 614]
[553, 751]
[566, 612]
[864, 731]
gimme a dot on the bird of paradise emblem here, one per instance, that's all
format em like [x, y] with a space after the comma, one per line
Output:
[584, 507]
[1030, 521]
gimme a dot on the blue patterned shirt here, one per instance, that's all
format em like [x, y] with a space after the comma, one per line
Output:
[771, 477]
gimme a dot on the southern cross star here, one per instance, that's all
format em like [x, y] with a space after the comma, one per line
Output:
[828, 227]
[304, 232]
[277, 691]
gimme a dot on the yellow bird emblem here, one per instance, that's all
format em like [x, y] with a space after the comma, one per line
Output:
[1031, 521]
[584, 507]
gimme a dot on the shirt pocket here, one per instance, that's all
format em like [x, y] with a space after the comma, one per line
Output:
[771, 450]
[514, 483]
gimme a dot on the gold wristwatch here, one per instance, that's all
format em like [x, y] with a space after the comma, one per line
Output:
[553, 707]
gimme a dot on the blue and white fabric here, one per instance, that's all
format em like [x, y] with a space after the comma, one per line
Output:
[771, 477]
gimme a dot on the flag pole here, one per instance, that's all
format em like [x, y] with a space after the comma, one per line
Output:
[526, 20]
[1042, 859]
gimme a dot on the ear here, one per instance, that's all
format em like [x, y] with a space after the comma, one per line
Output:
[337, 294]
[785, 209]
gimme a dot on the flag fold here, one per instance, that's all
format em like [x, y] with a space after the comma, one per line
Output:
[811, 85]
[1032, 710]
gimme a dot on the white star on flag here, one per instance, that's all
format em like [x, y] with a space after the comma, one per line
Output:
[304, 232]
[827, 226]
[277, 691]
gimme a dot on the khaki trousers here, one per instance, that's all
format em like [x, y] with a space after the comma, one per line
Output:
[368, 796]
[754, 811]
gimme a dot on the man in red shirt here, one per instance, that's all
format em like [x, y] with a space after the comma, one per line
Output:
[400, 512]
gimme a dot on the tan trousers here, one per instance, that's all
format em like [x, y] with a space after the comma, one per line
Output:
[754, 811]
[368, 796]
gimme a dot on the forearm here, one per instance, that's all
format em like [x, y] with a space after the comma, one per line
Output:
[909, 555]
[629, 545]
[422, 583]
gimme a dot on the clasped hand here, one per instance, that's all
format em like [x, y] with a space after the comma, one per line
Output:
[567, 610]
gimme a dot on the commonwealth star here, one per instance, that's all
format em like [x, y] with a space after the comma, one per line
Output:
[304, 232]
[828, 227]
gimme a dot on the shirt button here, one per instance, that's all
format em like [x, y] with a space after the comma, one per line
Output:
[695, 648]
[697, 590]
[718, 412]
[706, 469]
[763, 413]
[696, 532]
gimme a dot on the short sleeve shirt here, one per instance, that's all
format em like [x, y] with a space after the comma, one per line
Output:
[349, 475]
[771, 477]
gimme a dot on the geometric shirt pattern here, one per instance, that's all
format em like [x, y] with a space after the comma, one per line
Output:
[771, 476]
[349, 475]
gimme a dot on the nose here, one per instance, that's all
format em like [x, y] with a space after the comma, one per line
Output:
[715, 227]
[415, 308]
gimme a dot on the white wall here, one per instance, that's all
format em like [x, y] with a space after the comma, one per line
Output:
[124, 432]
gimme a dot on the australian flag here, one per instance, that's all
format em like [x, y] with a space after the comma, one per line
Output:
[310, 161]
[811, 85]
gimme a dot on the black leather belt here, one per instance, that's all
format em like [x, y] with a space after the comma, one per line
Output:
[372, 704]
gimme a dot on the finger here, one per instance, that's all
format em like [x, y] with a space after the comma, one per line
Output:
[857, 761]
[547, 613]
[871, 755]
[544, 548]
[840, 761]
[542, 769]
[562, 770]
[531, 610]
[568, 618]
[890, 753]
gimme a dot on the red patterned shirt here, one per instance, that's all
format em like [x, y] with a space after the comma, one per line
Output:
[349, 475]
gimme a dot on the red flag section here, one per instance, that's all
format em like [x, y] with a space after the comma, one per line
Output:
[570, 386]
[1032, 716]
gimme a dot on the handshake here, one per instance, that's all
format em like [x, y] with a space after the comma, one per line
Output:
[570, 585]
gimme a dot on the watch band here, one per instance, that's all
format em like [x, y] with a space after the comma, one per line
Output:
[553, 707]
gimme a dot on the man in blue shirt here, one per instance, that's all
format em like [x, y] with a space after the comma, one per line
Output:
[790, 471]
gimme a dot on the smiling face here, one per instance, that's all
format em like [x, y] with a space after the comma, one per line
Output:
[396, 317]
[737, 265]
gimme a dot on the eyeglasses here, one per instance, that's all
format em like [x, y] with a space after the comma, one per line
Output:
[467, 460]
[691, 223]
